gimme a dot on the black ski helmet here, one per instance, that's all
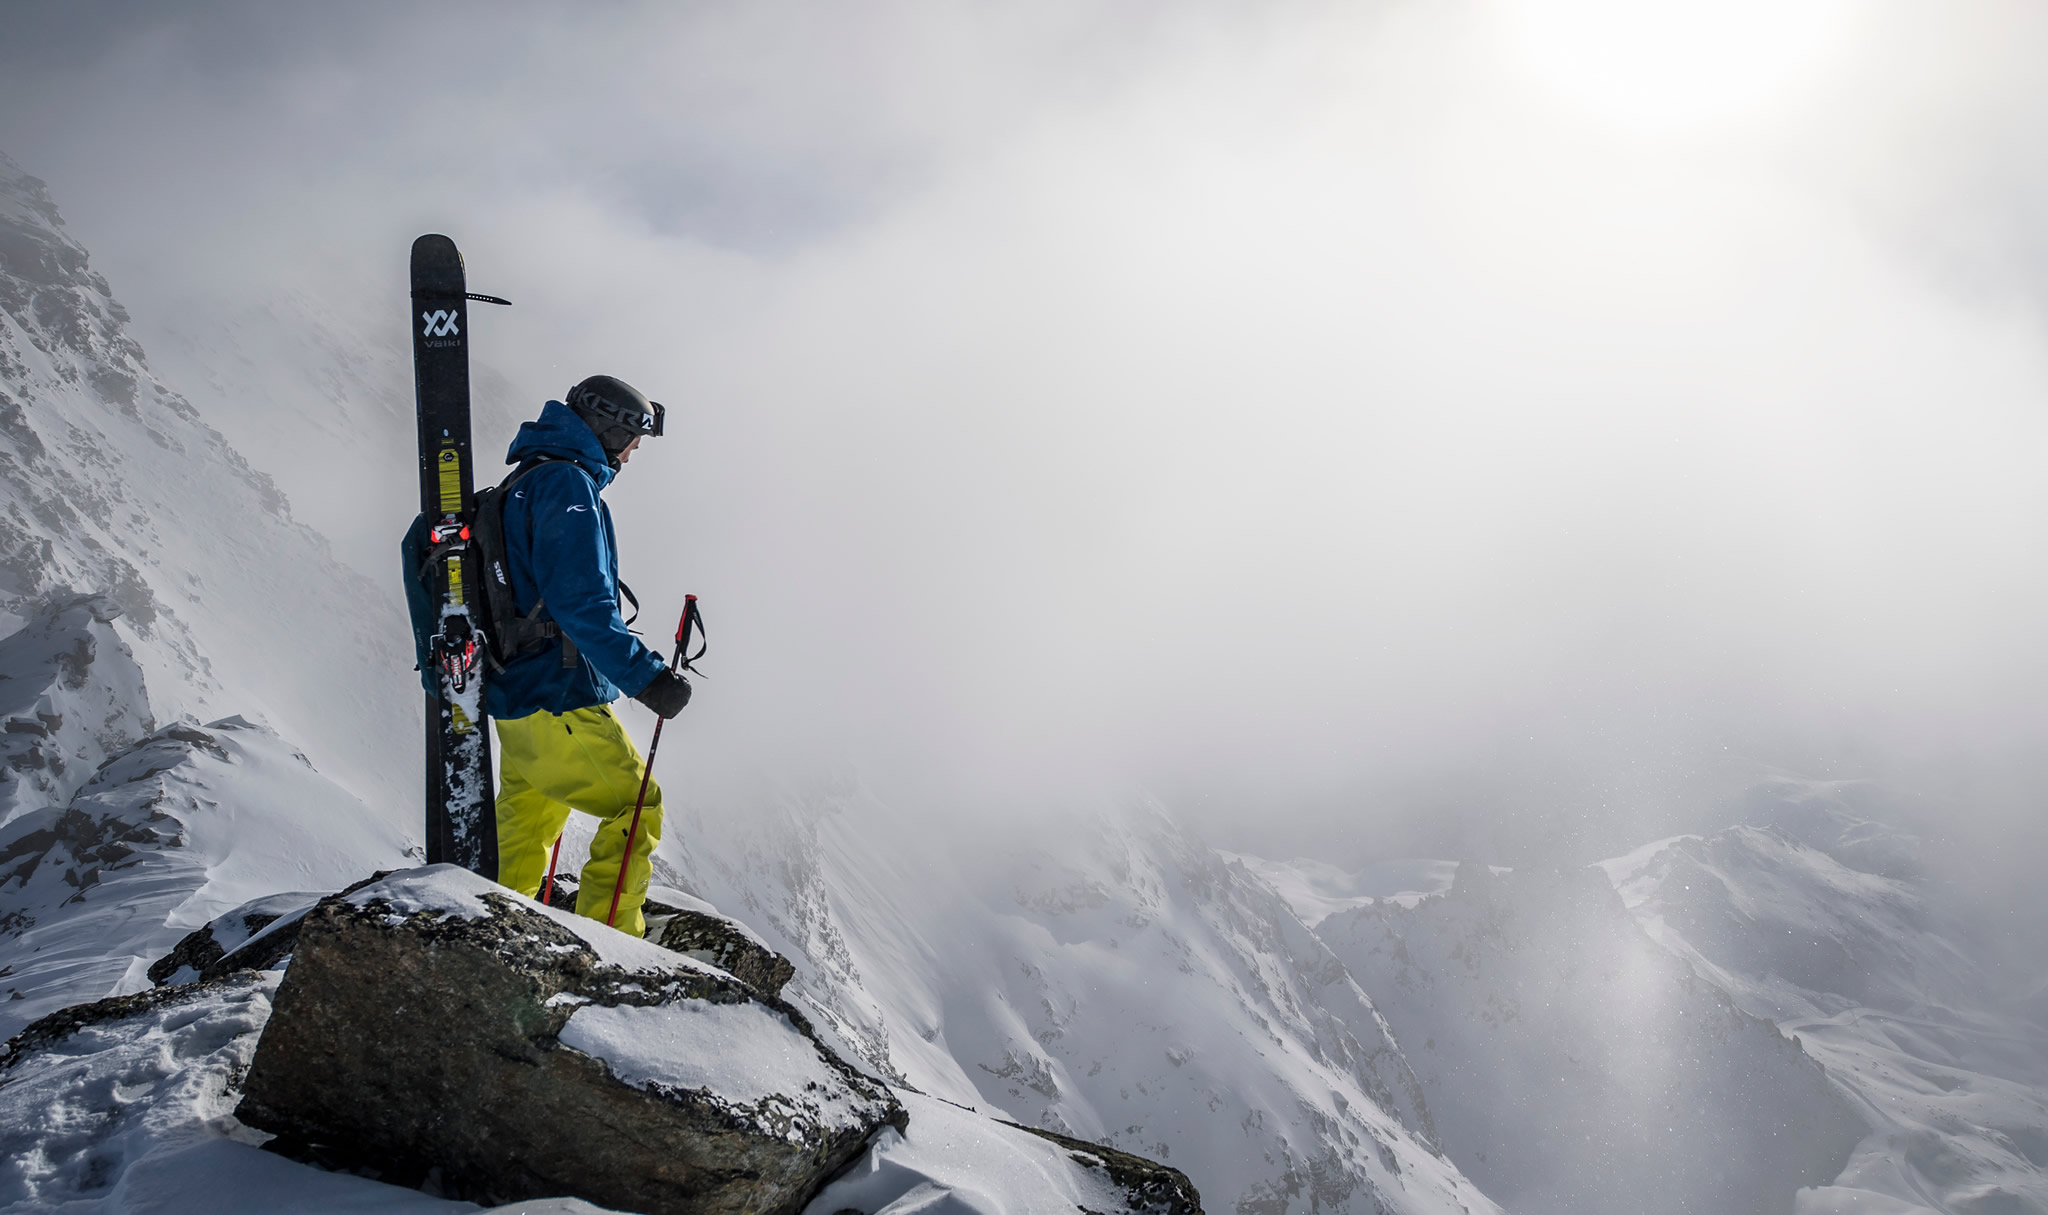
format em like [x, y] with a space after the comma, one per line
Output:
[616, 412]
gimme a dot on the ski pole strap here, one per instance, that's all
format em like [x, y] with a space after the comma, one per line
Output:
[626, 593]
[692, 619]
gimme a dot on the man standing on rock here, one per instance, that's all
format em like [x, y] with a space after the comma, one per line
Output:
[560, 746]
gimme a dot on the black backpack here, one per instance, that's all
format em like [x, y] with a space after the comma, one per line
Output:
[508, 635]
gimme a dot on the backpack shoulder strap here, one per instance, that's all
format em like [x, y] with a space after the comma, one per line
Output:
[526, 466]
[530, 628]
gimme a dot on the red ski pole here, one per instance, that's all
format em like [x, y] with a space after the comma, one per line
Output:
[679, 663]
[547, 886]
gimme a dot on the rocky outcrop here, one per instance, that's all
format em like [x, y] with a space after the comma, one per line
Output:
[689, 925]
[255, 936]
[521, 1052]
[1149, 1186]
[723, 942]
[71, 694]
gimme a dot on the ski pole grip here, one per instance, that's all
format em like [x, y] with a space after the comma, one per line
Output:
[683, 625]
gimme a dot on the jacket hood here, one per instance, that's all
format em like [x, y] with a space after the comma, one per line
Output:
[558, 432]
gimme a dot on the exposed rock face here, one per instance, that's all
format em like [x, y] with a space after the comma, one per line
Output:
[1151, 1187]
[255, 936]
[725, 943]
[70, 696]
[436, 1018]
[689, 925]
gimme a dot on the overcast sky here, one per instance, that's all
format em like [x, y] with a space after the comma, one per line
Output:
[1414, 427]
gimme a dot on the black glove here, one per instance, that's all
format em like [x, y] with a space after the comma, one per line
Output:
[666, 694]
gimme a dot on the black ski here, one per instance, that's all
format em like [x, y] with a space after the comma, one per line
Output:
[461, 820]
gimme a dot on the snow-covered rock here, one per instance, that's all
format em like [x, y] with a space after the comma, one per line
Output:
[682, 922]
[70, 695]
[522, 1051]
[1575, 1066]
[258, 935]
[167, 835]
[126, 1105]
[952, 1161]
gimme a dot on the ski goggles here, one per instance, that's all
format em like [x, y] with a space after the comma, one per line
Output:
[650, 424]
[632, 417]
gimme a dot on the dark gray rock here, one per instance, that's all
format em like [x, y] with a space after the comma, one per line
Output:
[255, 936]
[436, 1023]
[1148, 1185]
[727, 945]
[700, 931]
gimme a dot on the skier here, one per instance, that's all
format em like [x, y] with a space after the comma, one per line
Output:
[559, 744]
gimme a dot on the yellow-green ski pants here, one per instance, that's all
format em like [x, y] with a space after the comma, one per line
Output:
[552, 763]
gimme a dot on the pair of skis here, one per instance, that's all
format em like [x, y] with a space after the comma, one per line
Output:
[461, 824]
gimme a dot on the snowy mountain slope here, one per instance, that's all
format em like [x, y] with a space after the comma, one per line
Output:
[70, 695]
[111, 482]
[1317, 890]
[280, 372]
[127, 1106]
[185, 825]
[1845, 949]
[1124, 985]
[1573, 1065]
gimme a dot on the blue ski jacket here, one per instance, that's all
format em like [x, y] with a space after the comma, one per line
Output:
[561, 549]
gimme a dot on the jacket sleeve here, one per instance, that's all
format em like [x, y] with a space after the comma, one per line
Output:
[571, 568]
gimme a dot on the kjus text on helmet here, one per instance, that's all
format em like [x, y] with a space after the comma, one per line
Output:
[616, 412]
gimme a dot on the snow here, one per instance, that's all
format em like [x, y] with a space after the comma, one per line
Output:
[1317, 890]
[135, 1116]
[745, 1053]
[957, 1162]
[1818, 921]
[1104, 975]
[112, 482]
[453, 891]
[167, 836]
[1575, 1068]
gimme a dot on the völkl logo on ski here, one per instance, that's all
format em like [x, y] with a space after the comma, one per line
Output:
[439, 324]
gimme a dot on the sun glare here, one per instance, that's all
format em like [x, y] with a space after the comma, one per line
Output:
[1673, 64]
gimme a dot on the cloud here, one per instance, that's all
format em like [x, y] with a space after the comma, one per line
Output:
[1283, 410]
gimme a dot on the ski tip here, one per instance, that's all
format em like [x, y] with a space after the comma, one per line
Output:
[434, 252]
